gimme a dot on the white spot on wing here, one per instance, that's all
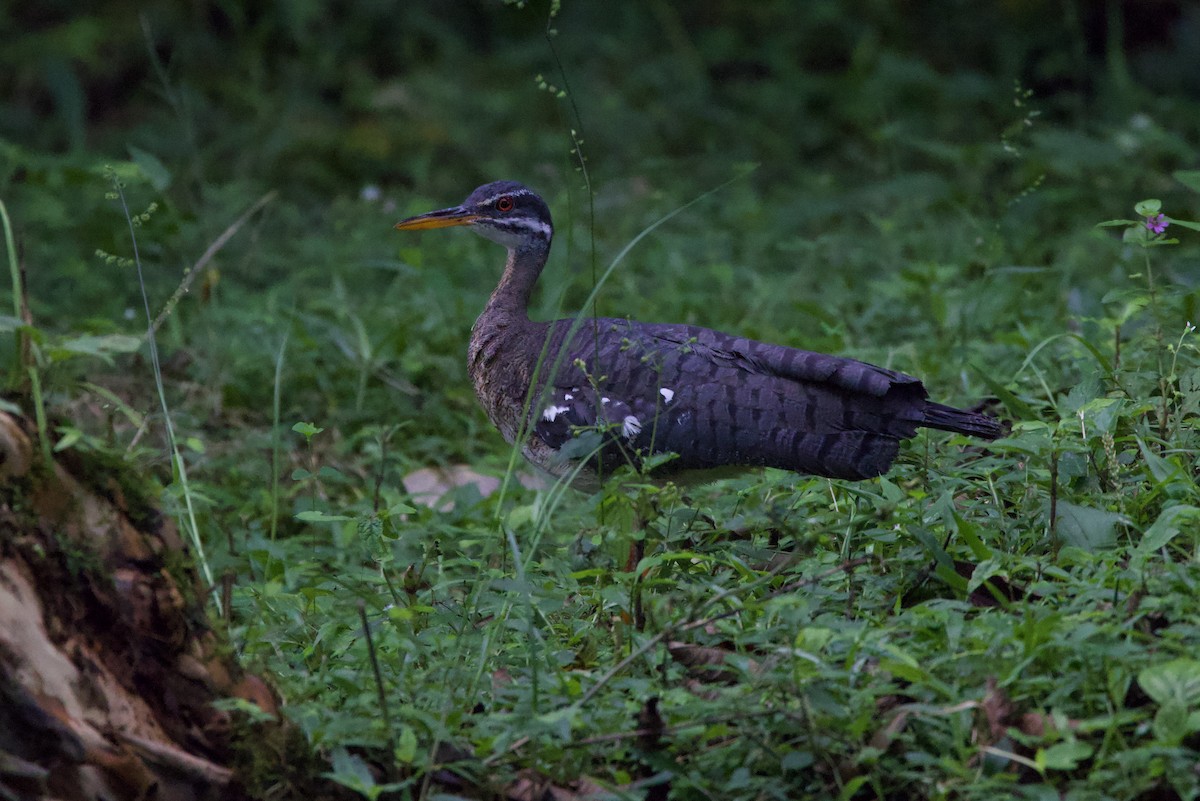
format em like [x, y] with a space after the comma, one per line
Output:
[604, 400]
[667, 394]
[631, 426]
[568, 396]
[553, 411]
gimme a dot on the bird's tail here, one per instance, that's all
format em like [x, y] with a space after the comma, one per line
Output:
[961, 421]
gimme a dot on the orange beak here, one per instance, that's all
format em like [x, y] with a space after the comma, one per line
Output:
[443, 218]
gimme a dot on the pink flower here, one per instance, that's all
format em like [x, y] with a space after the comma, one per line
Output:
[1157, 223]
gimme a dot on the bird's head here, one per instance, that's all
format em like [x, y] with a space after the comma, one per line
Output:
[503, 211]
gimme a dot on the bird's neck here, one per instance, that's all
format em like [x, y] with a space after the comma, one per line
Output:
[504, 343]
[510, 300]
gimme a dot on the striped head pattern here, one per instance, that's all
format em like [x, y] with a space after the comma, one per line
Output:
[504, 211]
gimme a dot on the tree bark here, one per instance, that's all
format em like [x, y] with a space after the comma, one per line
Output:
[108, 668]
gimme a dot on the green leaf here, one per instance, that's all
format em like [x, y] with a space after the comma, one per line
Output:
[1171, 721]
[103, 346]
[370, 529]
[1064, 756]
[851, 788]
[1169, 523]
[970, 533]
[70, 436]
[1114, 223]
[984, 571]
[349, 770]
[315, 516]
[1167, 473]
[150, 165]
[1086, 527]
[1101, 414]
[1178, 679]
[406, 745]
[1147, 208]
[903, 665]
[581, 446]
[1189, 178]
[308, 430]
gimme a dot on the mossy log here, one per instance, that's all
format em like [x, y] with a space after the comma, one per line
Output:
[108, 667]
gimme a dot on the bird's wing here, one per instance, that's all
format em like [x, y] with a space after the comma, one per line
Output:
[717, 400]
[801, 366]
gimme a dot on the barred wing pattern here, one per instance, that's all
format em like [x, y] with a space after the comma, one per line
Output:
[715, 400]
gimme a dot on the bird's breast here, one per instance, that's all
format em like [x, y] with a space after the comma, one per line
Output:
[501, 357]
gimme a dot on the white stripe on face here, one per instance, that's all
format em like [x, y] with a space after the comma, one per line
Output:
[512, 232]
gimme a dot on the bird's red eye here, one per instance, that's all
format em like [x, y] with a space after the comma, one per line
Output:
[504, 203]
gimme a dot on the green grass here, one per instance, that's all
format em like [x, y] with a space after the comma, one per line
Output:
[1015, 620]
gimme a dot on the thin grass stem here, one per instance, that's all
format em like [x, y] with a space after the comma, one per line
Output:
[192, 527]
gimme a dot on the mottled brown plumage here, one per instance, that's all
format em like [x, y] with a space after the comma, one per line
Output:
[605, 392]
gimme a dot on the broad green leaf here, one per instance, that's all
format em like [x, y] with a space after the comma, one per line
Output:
[1101, 414]
[903, 665]
[1167, 473]
[1087, 527]
[349, 770]
[1169, 523]
[1064, 756]
[370, 530]
[812, 639]
[1178, 679]
[1171, 721]
[1146, 208]
[1084, 392]
[984, 571]
[307, 430]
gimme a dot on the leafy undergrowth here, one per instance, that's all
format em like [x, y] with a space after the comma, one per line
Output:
[1009, 620]
[1017, 618]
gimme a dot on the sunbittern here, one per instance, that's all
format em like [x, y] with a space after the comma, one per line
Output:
[605, 392]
